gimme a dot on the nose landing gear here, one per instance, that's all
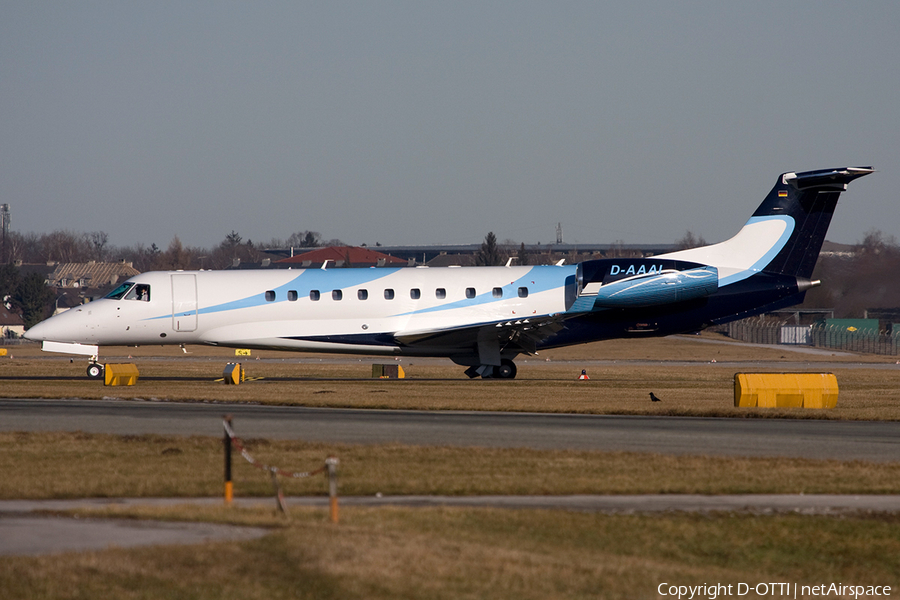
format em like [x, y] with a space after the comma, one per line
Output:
[95, 371]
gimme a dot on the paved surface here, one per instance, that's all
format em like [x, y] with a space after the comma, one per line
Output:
[29, 534]
[812, 503]
[34, 535]
[843, 440]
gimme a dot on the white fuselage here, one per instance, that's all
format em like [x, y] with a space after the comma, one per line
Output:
[344, 310]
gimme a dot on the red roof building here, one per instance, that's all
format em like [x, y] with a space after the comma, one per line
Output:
[344, 256]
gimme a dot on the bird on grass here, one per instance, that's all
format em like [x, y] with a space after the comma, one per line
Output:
[654, 397]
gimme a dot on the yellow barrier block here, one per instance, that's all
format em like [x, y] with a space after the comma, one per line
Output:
[2, 351]
[785, 390]
[120, 374]
[233, 374]
[388, 372]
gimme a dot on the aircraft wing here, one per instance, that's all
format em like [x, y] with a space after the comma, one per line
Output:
[522, 335]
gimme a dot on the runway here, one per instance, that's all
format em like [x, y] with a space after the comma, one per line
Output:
[802, 438]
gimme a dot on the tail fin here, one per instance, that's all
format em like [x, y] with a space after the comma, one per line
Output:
[785, 234]
[809, 198]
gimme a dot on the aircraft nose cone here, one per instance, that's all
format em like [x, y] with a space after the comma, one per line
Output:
[63, 327]
[37, 332]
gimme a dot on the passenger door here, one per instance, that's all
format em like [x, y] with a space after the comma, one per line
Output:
[184, 302]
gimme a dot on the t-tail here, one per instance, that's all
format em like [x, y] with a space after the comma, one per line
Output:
[766, 266]
[785, 234]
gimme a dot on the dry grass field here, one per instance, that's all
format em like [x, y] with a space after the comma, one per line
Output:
[80, 465]
[443, 552]
[455, 553]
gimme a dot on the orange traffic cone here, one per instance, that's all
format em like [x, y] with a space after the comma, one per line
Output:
[583, 375]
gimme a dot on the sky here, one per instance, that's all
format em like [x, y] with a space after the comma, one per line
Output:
[407, 123]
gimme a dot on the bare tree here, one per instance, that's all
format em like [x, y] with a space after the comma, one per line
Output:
[64, 246]
[689, 241]
[98, 241]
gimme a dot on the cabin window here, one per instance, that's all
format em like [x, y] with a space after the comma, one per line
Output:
[498, 292]
[523, 292]
[415, 293]
[139, 292]
[336, 294]
[440, 293]
[314, 295]
[470, 292]
[270, 296]
[362, 294]
[120, 291]
[388, 294]
[292, 295]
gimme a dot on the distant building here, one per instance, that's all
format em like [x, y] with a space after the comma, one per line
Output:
[11, 324]
[464, 254]
[342, 256]
[77, 283]
[90, 274]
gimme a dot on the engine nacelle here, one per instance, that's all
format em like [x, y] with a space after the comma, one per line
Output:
[640, 282]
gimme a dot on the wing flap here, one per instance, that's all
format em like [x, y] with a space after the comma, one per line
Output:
[518, 335]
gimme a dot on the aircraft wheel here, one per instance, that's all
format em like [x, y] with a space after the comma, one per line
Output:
[95, 371]
[506, 370]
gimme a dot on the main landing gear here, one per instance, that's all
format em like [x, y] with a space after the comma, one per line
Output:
[505, 370]
[95, 371]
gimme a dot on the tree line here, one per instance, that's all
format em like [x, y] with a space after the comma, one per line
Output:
[63, 246]
[861, 279]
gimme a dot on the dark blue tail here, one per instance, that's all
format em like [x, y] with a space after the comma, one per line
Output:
[809, 198]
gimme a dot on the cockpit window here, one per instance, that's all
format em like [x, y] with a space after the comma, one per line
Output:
[120, 291]
[140, 291]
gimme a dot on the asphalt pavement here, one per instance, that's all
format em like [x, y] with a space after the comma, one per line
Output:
[802, 438]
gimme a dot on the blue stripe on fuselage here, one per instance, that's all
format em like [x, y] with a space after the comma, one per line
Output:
[539, 280]
[306, 281]
[303, 284]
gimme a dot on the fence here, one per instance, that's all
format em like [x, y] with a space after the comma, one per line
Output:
[760, 330]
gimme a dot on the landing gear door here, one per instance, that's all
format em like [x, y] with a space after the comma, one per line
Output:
[184, 302]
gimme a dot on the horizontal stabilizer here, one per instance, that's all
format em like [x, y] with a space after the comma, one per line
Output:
[837, 178]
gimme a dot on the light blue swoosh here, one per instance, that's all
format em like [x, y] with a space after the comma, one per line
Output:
[543, 280]
[769, 255]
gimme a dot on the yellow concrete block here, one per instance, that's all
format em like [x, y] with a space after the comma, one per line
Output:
[233, 374]
[785, 390]
[120, 374]
[388, 372]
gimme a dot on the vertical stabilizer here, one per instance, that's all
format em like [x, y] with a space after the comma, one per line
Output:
[785, 234]
[809, 199]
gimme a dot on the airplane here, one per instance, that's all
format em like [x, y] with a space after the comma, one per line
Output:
[481, 318]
